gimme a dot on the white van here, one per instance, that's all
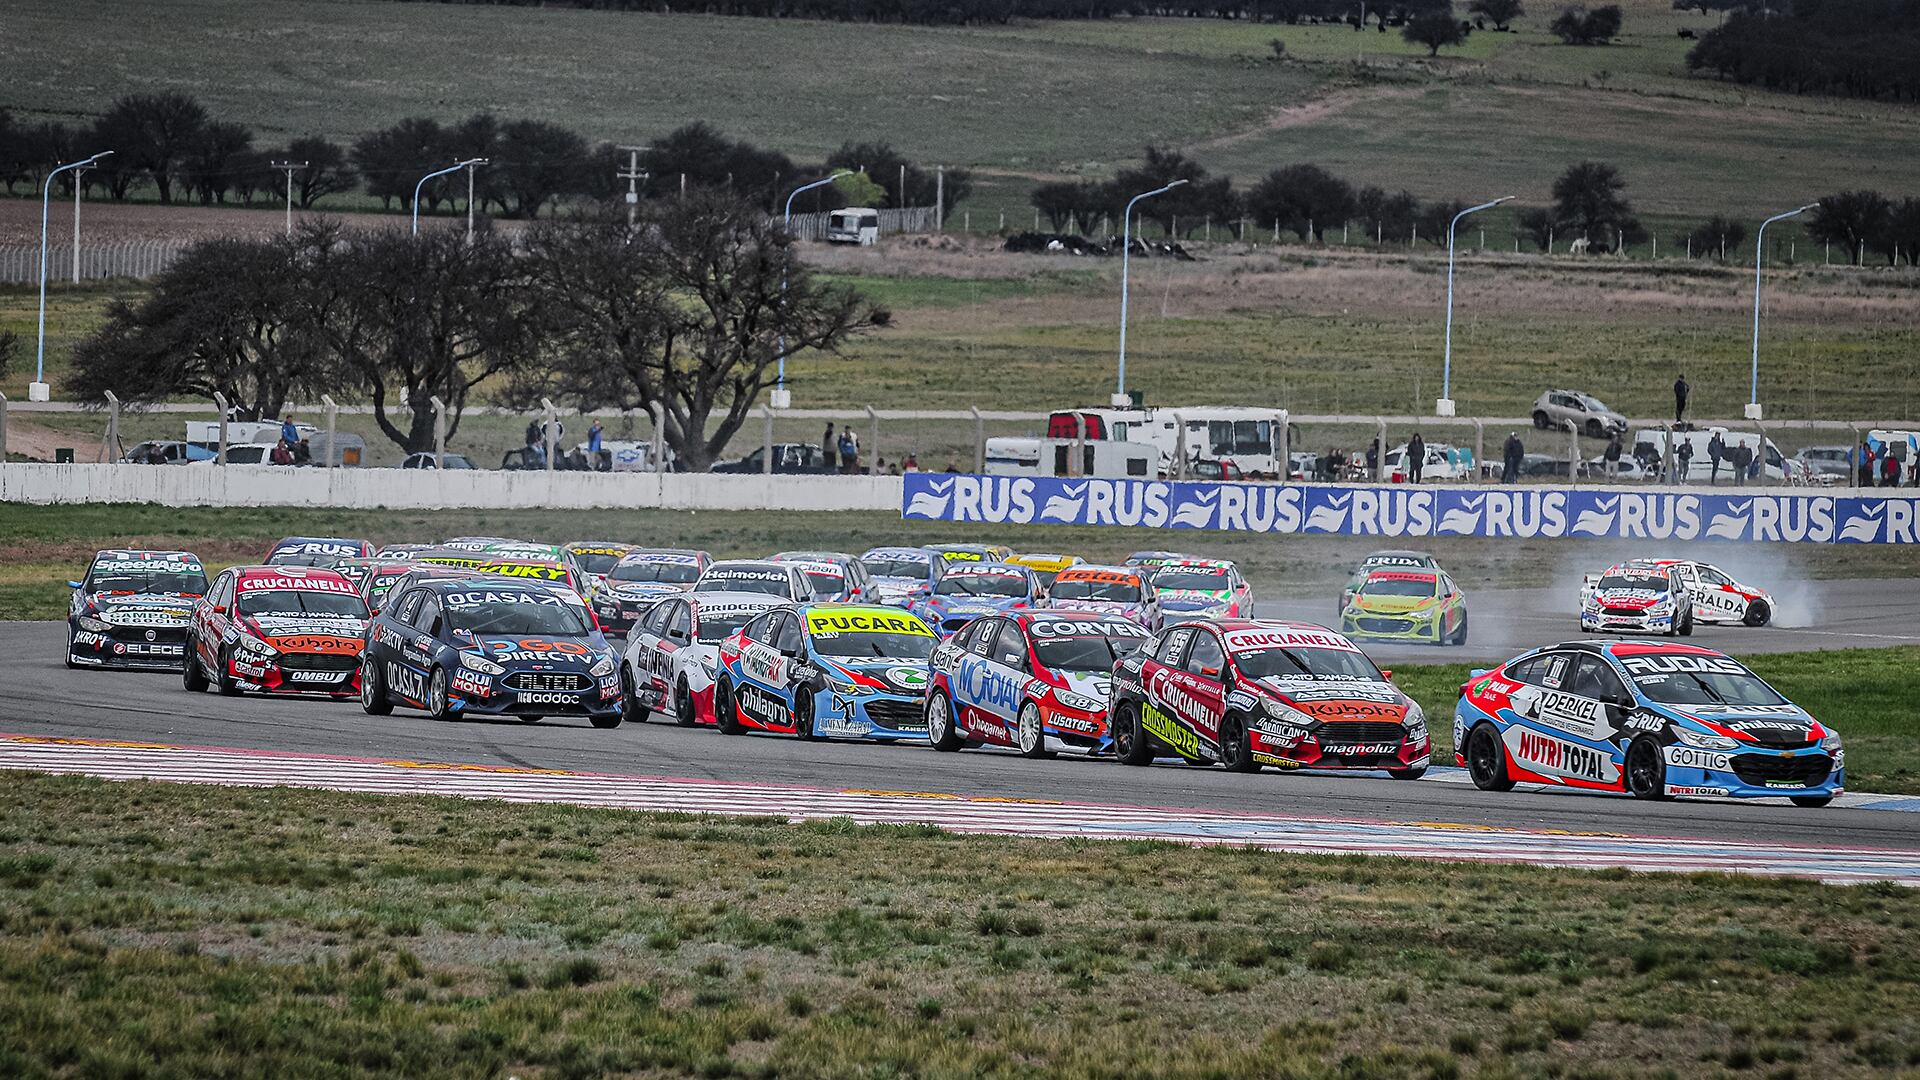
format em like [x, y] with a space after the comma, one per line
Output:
[854, 225]
[1024, 456]
[1650, 444]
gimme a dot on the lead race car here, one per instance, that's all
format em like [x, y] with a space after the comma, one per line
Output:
[1245, 694]
[1419, 606]
[1668, 596]
[277, 630]
[1653, 719]
[674, 651]
[826, 669]
[1037, 682]
[131, 609]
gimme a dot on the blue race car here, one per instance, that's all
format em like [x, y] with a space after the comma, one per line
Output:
[826, 669]
[491, 646]
[966, 591]
[1653, 719]
[902, 575]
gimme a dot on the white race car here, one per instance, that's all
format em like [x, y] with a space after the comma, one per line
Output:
[1668, 596]
[673, 650]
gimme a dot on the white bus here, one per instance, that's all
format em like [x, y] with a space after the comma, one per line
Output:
[853, 225]
[1253, 439]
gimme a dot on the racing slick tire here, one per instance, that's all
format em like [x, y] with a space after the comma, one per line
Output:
[1408, 774]
[437, 696]
[630, 708]
[1540, 419]
[1487, 760]
[533, 718]
[1460, 632]
[683, 704]
[1686, 625]
[192, 679]
[67, 657]
[1236, 747]
[605, 721]
[223, 679]
[1811, 802]
[1130, 745]
[373, 689]
[1758, 614]
[803, 714]
[940, 730]
[1646, 771]
[1031, 734]
[725, 711]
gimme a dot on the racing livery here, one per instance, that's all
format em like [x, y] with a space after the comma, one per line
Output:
[131, 609]
[316, 551]
[1186, 589]
[1148, 560]
[1037, 682]
[673, 652]
[784, 580]
[1653, 719]
[277, 630]
[1422, 606]
[1045, 565]
[486, 646]
[826, 670]
[1712, 596]
[967, 591]
[1384, 560]
[1247, 694]
[902, 575]
[597, 558]
[642, 578]
[834, 575]
[1636, 598]
[531, 566]
[969, 553]
[1109, 590]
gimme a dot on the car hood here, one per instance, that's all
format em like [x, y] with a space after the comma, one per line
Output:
[1394, 605]
[142, 609]
[1762, 724]
[1339, 699]
[310, 633]
[1094, 684]
[1635, 599]
[968, 605]
[1112, 607]
[888, 675]
[558, 652]
[643, 590]
[1193, 599]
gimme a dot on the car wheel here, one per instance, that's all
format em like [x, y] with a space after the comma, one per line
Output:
[224, 677]
[725, 710]
[1408, 774]
[803, 714]
[606, 720]
[683, 705]
[192, 678]
[437, 695]
[630, 708]
[1236, 748]
[532, 718]
[1686, 623]
[1460, 632]
[1031, 734]
[373, 689]
[1596, 430]
[1646, 771]
[1129, 742]
[1758, 614]
[1540, 419]
[1811, 802]
[1487, 760]
[940, 728]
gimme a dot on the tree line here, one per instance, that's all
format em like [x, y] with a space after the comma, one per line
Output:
[999, 12]
[688, 313]
[1853, 48]
[169, 141]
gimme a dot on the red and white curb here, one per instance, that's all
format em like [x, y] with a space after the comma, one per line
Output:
[114, 760]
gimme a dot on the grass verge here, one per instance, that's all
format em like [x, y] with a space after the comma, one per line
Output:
[179, 930]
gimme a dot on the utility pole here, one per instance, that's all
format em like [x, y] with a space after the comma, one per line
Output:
[632, 175]
[470, 163]
[289, 167]
[939, 198]
[78, 175]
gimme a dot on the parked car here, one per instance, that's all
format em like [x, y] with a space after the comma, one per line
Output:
[1572, 410]
[1824, 464]
[426, 461]
[164, 452]
[787, 458]
[1443, 462]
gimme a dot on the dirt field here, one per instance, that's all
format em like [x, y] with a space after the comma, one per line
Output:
[102, 222]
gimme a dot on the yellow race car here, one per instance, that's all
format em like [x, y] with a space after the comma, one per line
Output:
[1416, 606]
[1045, 565]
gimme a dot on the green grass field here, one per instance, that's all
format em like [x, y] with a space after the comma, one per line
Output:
[199, 931]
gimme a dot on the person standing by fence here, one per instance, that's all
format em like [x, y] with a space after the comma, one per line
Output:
[1416, 458]
[1612, 457]
[1511, 456]
[1681, 391]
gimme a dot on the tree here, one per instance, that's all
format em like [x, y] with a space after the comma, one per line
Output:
[1301, 198]
[1500, 13]
[9, 351]
[393, 159]
[1202, 197]
[1436, 218]
[707, 158]
[1536, 224]
[1433, 29]
[858, 189]
[538, 163]
[1587, 200]
[326, 172]
[1852, 220]
[1902, 234]
[153, 133]
[1386, 217]
[1068, 204]
[478, 136]
[1716, 234]
[1578, 26]
[215, 158]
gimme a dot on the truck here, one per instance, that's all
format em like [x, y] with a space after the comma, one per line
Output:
[1253, 439]
[1028, 456]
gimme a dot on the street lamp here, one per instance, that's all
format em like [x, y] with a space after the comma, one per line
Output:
[781, 397]
[455, 167]
[1759, 246]
[1120, 398]
[38, 389]
[1444, 406]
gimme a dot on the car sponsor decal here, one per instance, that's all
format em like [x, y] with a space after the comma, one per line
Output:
[746, 573]
[981, 683]
[1302, 692]
[288, 582]
[1252, 640]
[1651, 664]
[1644, 721]
[472, 683]
[1680, 789]
[1582, 716]
[314, 643]
[479, 597]
[1073, 628]
[1557, 757]
[1686, 757]
[1169, 689]
[1170, 733]
[762, 706]
[546, 697]
[317, 676]
[1359, 749]
[1242, 701]
[1348, 708]
[876, 621]
[406, 682]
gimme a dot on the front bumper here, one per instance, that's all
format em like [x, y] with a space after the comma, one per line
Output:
[1069, 731]
[1312, 752]
[296, 673]
[135, 648]
[1618, 622]
[1756, 773]
[482, 695]
[1420, 629]
[870, 715]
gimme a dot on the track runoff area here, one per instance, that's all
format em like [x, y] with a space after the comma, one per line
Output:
[132, 725]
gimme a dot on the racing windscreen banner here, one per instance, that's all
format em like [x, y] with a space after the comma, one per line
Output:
[1399, 510]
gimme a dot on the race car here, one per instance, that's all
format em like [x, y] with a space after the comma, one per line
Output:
[401, 551]
[784, 580]
[486, 646]
[277, 630]
[836, 576]
[826, 669]
[316, 551]
[1198, 589]
[1247, 694]
[1148, 559]
[1037, 682]
[131, 609]
[1383, 560]
[1712, 596]
[1634, 598]
[520, 564]
[1653, 719]
[969, 553]
[1420, 606]
[598, 558]
[673, 652]
[901, 575]
[1108, 590]
[642, 578]
[376, 577]
[1044, 565]
[967, 591]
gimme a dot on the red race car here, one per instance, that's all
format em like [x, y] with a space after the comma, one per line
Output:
[1246, 694]
[277, 630]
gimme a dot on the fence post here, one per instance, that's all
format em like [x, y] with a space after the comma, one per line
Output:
[220, 402]
[333, 429]
[1479, 450]
[3, 428]
[1853, 458]
[110, 442]
[873, 420]
[1573, 457]
[657, 414]
[548, 419]
[766, 442]
[1760, 455]
[1179, 447]
[439, 432]
[1666, 456]
[979, 440]
[1286, 447]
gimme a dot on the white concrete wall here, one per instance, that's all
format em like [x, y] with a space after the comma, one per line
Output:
[266, 485]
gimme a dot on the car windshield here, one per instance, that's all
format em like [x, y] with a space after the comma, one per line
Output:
[670, 573]
[906, 566]
[1704, 681]
[1593, 404]
[172, 580]
[769, 582]
[380, 584]
[514, 612]
[1087, 652]
[302, 602]
[866, 644]
[1119, 592]
[596, 562]
[1397, 586]
[303, 558]
[825, 584]
[1283, 663]
[982, 585]
[716, 627]
[1203, 579]
[1617, 582]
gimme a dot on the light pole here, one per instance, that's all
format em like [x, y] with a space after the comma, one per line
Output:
[78, 174]
[1444, 406]
[455, 167]
[38, 389]
[781, 398]
[1120, 398]
[289, 167]
[1760, 246]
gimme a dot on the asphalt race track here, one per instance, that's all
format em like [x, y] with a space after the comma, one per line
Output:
[42, 698]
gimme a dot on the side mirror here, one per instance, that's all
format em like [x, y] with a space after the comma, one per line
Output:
[219, 609]
[1387, 674]
[73, 584]
[1209, 672]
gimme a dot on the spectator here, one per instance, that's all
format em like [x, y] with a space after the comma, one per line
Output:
[849, 451]
[289, 432]
[912, 464]
[879, 465]
[1889, 469]
[533, 433]
[1373, 459]
[1683, 461]
[1716, 450]
[1681, 391]
[1513, 452]
[1864, 459]
[1611, 455]
[1416, 458]
[894, 469]
[594, 438]
[281, 455]
[302, 453]
[827, 443]
[1750, 462]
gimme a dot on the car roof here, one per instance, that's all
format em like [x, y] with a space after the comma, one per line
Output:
[893, 552]
[598, 547]
[145, 555]
[812, 556]
[756, 563]
[1098, 570]
[243, 574]
[1397, 553]
[645, 554]
[731, 599]
[496, 583]
[1625, 647]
